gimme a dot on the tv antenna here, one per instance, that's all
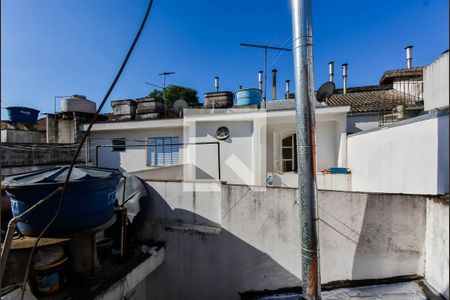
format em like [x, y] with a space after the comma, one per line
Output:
[164, 75]
[266, 49]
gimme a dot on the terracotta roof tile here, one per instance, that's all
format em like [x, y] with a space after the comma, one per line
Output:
[388, 76]
[372, 99]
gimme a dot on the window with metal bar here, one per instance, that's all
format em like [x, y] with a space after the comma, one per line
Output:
[163, 151]
[118, 145]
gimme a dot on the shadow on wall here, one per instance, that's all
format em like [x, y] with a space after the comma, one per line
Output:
[363, 237]
[402, 244]
[213, 264]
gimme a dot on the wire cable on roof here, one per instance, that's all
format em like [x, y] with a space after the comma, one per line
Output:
[86, 134]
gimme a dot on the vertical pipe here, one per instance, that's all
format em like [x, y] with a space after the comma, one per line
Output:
[265, 75]
[331, 70]
[304, 97]
[86, 153]
[409, 56]
[344, 78]
[274, 84]
[216, 83]
[288, 89]
[47, 128]
[96, 155]
[260, 80]
[218, 160]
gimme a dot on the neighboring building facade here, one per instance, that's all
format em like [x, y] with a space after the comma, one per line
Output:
[398, 96]
[259, 143]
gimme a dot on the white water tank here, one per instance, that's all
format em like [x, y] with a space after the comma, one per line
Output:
[78, 103]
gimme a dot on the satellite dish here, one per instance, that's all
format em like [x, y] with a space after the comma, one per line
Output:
[325, 91]
[179, 105]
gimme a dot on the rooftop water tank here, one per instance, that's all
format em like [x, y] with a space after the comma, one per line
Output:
[248, 97]
[78, 103]
[219, 99]
[89, 200]
[22, 114]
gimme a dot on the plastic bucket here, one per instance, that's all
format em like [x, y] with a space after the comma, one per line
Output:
[50, 270]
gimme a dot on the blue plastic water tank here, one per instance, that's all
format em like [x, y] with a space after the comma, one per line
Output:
[89, 200]
[248, 97]
[22, 114]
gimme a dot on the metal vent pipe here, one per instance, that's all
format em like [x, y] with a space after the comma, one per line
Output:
[409, 56]
[331, 70]
[344, 78]
[216, 83]
[274, 84]
[288, 88]
[260, 80]
[305, 128]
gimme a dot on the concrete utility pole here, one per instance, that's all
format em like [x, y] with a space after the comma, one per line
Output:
[305, 100]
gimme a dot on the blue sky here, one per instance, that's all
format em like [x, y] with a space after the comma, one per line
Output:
[62, 47]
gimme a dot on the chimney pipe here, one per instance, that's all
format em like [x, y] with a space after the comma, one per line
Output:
[344, 77]
[274, 84]
[240, 87]
[260, 80]
[409, 56]
[288, 88]
[331, 70]
[216, 83]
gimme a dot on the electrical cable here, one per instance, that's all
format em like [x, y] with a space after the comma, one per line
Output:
[83, 139]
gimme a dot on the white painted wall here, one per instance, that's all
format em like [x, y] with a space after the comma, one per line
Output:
[361, 122]
[254, 146]
[437, 245]
[256, 246]
[435, 81]
[330, 143]
[236, 152]
[327, 145]
[133, 159]
[411, 158]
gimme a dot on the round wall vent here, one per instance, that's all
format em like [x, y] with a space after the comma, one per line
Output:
[222, 133]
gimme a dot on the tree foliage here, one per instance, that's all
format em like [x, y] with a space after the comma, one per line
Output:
[175, 92]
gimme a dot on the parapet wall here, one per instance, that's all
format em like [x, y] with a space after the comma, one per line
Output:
[223, 240]
[15, 158]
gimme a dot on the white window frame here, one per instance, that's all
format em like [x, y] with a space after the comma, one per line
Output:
[293, 146]
[170, 151]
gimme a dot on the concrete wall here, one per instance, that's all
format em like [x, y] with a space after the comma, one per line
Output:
[22, 136]
[437, 245]
[409, 158]
[435, 81]
[250, 239]
[25, 155]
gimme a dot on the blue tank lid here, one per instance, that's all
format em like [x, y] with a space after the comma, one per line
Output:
[58, 175]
